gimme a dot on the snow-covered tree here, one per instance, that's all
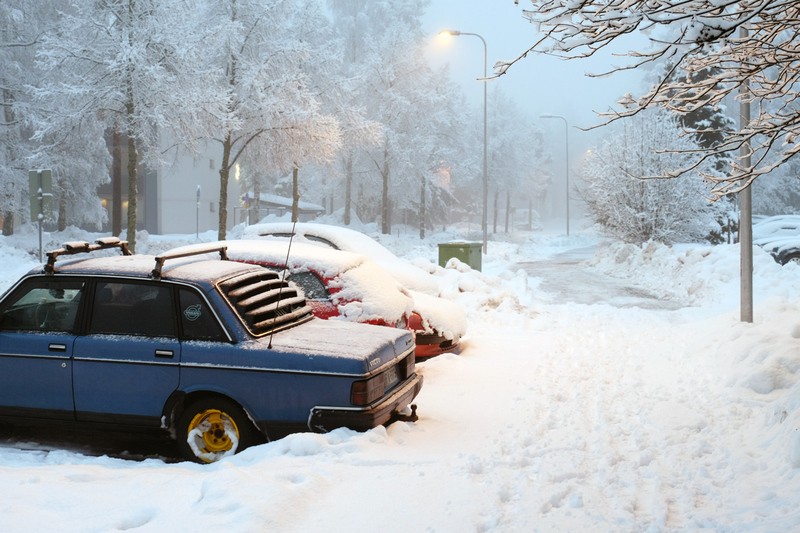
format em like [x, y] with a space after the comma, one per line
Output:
[749, 47]
[435, 140]
[345, 98]
[401, 92]
[79, 167]
[779, 192]
[260, 97]
[19, 32]
[518, 162]
[622, 199]
[114, 62]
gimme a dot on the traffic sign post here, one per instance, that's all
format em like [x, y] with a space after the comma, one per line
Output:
[40, 187]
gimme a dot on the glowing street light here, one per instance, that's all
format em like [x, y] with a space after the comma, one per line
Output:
[484, 223]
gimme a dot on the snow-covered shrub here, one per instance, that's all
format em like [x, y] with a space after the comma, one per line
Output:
[624, 195]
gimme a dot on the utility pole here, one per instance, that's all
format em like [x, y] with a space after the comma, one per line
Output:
[745, 206]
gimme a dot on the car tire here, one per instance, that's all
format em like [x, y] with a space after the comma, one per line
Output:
[791, 258]
[213, 427]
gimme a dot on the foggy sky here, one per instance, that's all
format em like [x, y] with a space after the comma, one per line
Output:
[538, 83]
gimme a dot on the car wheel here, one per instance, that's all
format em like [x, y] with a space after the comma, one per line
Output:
[791, 258]
[212, 428]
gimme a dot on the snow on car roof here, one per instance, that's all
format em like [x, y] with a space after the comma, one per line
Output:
[366, 291]
[323, 260]
[351, 240]
[188, 269]
[777, 225]
[326, 261]
[129, 265]
[341, 238]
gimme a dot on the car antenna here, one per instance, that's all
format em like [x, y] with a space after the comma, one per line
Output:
[283, 281]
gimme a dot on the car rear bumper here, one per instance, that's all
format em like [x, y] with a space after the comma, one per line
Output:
[362, 419]
[430, 345]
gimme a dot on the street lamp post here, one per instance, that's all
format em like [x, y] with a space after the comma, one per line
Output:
[566, 151]
[484, 222]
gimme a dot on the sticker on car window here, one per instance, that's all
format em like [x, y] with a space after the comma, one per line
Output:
[192, 312]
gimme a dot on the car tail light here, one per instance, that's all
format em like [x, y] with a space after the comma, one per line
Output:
[366, 391]
[409, 362]
[415, 322]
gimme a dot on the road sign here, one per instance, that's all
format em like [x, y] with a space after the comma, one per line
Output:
[40, 183]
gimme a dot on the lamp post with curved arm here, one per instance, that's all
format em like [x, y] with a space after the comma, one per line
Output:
[566, 151]
[484, 223]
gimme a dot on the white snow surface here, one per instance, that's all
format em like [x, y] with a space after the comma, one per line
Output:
[556, 416]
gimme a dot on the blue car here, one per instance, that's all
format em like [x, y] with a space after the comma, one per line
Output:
[222, 355]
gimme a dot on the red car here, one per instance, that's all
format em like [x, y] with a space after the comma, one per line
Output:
[341, 285]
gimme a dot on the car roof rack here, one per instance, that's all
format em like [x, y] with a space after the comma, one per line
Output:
[80, 247]
[160, 259]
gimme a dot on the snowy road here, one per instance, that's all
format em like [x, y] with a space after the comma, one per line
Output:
[567, 278]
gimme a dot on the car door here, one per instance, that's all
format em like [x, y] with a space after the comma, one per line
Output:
[127, 364]
[37, 336]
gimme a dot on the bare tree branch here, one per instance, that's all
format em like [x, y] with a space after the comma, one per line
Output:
[690, 36]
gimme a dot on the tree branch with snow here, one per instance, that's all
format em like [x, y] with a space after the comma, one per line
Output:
[690, 36]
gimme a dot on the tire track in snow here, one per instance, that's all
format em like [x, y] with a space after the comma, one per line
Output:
[612, 427]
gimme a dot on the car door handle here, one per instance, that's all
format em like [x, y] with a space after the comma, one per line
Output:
[164, 354]
[54, 347]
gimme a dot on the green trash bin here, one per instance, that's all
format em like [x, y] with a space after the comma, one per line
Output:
[466, 252]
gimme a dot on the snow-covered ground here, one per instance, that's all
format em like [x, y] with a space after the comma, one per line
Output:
[562, 413]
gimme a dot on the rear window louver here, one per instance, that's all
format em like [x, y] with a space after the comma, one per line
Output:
[265, 302]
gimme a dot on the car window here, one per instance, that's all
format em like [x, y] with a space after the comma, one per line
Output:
[133, 308]
[43, 304]
[197, 318]
[321, 240]
[264, 301]
[312, 286]
[313, 238]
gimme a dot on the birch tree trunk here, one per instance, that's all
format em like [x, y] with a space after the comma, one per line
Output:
[348, 188]
[386, 226]
[224, 176]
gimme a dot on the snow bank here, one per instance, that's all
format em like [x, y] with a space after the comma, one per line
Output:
[695, 274]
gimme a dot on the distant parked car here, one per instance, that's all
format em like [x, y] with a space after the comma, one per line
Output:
[346, 286]
[410, 276]
[780, 236]
[220, 354]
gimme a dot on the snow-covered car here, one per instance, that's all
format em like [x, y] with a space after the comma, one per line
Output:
[220, 354]
[339, 238]
[780, 236]
[345, 286]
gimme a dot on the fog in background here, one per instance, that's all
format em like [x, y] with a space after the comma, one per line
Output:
[539, 84]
